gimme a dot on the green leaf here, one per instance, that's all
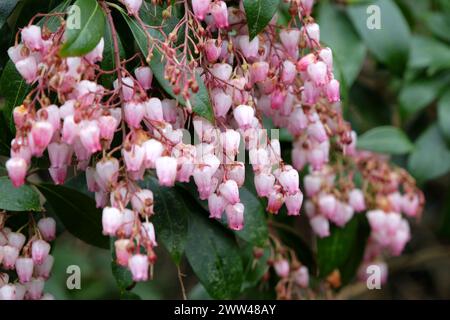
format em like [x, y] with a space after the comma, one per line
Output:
[429, 53]
[444, 114]
[108, 62]
[6, 7]
[418, 94]
[122, 275]
[439, 24]
[389, 44]
[338, 250]
[431, 157]
[337, 32]
[24, 198]
[259, 13]
[385, 139]
[13, 89]
[81, 38]
[77, 212]
[214, 257]
[200, 101]
[170, 219]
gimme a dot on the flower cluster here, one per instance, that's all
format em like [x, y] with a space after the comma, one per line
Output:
[29, 258]
[117, 135]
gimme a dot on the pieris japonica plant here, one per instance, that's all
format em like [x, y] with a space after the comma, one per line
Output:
[139, 120]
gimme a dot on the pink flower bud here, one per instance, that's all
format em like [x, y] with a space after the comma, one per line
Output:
[24, 269]
[39, 251]
[142, 201]
[244, 115]
[127, 87]
[216, 206]
[288, 72]
[60, 154]
[43, 270]
[138, 265]
[275, 202]
[249, 48]
[332, 91]
[111, 220]
[343, 214]
[134, 113]
[219, 12]
[282, 268]
[96, 54]
[107, 172]
[294, 203]
[101, 199]
[90, 136]
[327, 56]
[148, 232]
[290, 40]
[134, 158]
[28, 69]
[153, 150]
[289, 181]
[305, 61]
[47, 228]
[10, 254]
[306, 6]
[356, 200]
[259, 158]
[166, 170]
[70, 130]
[31, 36]
[277, 99]
[377, 219]
[312, 184]
[35, 288]
[259, 71]
[17, 171]
[222, 71]
[237, 173]
[301, 277]
[317, 131]
[264, 183]
[320, 226]
[318, 73]
[153, 110]
[310, 93]
[87, 92]
[133, 6]
[327, 205]
[230, 141]
[15, 53]
[395, 201]
[16, 239]
[212, 50]
[400, 238]
[108, 126]
[122, 251]
[221, 101]
[201, 8]
[312, 34]
[410, 204]
[235, 216]
[8, 292]
[42, 133]
[229, 191]
[144, 76]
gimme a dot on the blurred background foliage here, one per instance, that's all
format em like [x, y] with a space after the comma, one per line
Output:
[396, 76]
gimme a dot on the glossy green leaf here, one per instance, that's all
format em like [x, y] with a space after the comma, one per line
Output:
[391, 42]
[13, 88]
[385, 139]
[444, 114]
[338, 250]
[439, 24]
[259, 13]
[200, 101]
[416, 95]
[78, 213]
[214, 257]
[429, 53]
[431, 156]
[170, 219]
[84, 28]
[337, 32]
[24, 198]
[6, 7]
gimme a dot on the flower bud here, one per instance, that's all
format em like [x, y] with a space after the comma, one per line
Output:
[148, 232]
[28, 69]
[35, 288]
[222, 71]
[235, 216]
[42, 133]
[249, 48]
[410, 204]
[290, 38]
[264, 183]
[43, 270]
[111, 220]
[24, 269]
[259, 71]
[288, 72]
[317, 72]
[166, 170]
[32, 38]
[201, 8]
[142, 201]
[10, 254]
[216, 206]
[153, 150]
[244, 115]
[39, 251]
[230, 191]
[312, 34]
[320, 226]
[301, 277]
[134, 113]
[138, 265]
[356, 200]
[122, 252]
[108, 126]
[90, 136]
[327, 205]
[107, 172]
[17, 171]
[212, 50]
[219, 12]
[16, 239]
[134, 157]
[153, 110]
[60, 154]
[332, 91]
[289, 181]
[275, 202]
[282, 268]
[221, 101]
[133, 6]
[96, 54]
[294, 203]
[47, 228]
